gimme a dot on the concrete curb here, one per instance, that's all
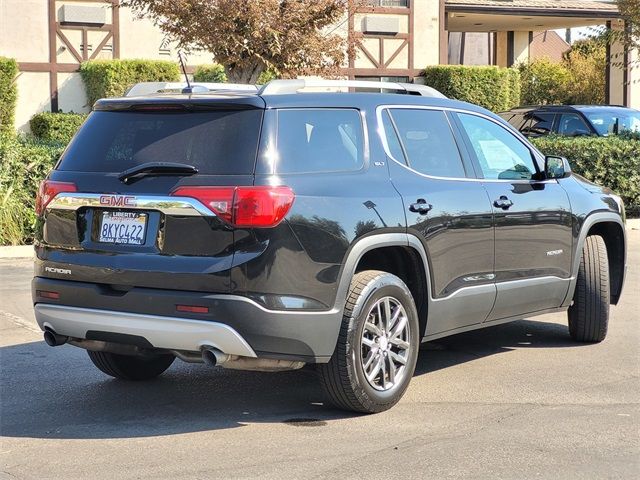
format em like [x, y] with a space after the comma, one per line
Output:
[633, 223]
[18, 251]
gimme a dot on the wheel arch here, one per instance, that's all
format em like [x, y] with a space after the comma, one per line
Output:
[611, 228]
[400, 254]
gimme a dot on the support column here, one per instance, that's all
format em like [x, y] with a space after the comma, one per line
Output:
[617, 70]
[501, 49]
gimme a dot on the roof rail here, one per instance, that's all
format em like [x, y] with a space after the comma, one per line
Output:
[146, 88]
[281, 87]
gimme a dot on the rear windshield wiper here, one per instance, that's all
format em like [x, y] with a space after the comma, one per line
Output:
[156, 168]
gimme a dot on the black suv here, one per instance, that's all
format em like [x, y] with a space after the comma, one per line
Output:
[573, 120]
[272, 229]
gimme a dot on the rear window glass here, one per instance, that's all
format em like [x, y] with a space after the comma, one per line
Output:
[215, 142]
[319, 140]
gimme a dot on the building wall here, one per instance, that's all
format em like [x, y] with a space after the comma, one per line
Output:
[394, 41]
[24, 35]
[548, 44]
[426, 33]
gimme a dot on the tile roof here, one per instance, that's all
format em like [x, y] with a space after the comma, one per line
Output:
[590, 5]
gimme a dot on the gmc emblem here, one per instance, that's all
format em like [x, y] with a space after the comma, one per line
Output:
[117, 201]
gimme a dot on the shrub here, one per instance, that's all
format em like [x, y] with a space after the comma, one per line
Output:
[543, 82]
[494, 88]
[587, 64]
[266, 76]
[112, 78]
[24, 162]
[213, 72]
[8, 93]
[57, 127]
[610, 161]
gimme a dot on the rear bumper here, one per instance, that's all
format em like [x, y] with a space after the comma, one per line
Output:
[233, 321]
[160, 332]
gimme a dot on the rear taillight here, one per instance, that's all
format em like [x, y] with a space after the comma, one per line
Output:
[245, 207]
[48, 190]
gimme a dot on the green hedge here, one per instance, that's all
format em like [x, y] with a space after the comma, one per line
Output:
[210, 73]
[24, 162]
[112, 78]
[610, 161]
[8, 93]
[494, 88]
[57, 127]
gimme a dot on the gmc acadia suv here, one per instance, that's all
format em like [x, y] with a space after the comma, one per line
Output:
[269, 229]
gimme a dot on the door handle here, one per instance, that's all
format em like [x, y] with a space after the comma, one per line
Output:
[502, 202]
[421, 206]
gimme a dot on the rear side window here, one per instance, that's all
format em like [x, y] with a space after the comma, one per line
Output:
[428, 142]
[319, 140]
[215, 142]
[538, 124]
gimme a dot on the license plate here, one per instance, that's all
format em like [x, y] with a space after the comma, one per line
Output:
[125, 228]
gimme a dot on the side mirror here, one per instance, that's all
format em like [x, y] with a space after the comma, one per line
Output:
[556, 167]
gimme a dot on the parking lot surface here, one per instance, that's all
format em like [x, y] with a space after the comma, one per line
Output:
[514, 401]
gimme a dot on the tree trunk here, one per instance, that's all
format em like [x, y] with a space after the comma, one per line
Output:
[248, 74]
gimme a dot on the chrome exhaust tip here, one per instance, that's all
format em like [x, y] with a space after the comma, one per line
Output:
[53, 339]
[212, 356]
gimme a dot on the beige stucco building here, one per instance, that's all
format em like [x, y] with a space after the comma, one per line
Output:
[396, 39]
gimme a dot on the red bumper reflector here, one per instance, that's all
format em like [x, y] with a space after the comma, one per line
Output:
[49, 295]
[192, 309]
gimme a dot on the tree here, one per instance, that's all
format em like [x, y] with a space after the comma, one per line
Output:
[630, 11]
[586, 62]
[287, 37]
[543, 82]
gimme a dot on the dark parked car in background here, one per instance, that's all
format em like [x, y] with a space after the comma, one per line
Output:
[573, 120]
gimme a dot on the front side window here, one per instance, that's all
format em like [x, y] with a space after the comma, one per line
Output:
[319, 140]
[500, 154]
[615, 121]
[572, 125]
[428, 142]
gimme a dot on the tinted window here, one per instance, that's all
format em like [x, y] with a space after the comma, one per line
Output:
[428, 142]
[538, 124]
[215, 142]
[319, 140]
[392, 138]
[516, 119]
[573, 125]
[500, 154]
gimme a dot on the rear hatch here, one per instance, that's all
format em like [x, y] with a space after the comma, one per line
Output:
[119, 205]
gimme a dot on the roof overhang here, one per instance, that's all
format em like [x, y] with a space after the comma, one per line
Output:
[525, 15]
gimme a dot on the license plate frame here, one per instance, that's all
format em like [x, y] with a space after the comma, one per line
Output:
[122, 227]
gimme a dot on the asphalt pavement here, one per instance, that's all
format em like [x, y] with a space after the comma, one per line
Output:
[516, 401]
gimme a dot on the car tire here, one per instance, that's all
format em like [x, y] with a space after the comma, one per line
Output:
[589, 312]
[131, 367]
[374, 358]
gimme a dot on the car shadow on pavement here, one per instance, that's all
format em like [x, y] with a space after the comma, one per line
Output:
[468, 346]
[57, 393]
